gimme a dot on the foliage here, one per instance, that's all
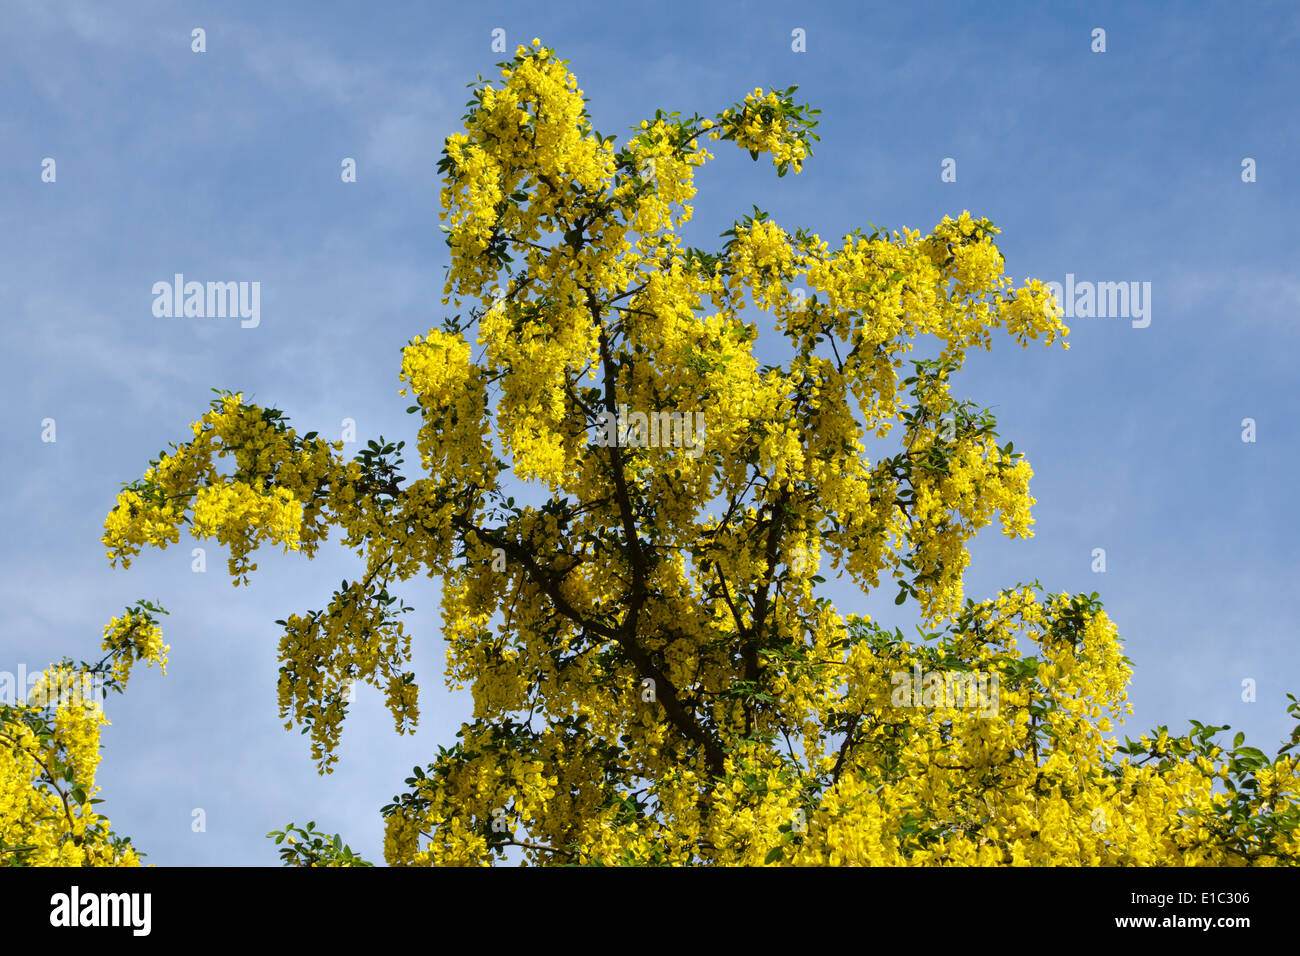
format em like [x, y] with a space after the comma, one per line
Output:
[309, 847]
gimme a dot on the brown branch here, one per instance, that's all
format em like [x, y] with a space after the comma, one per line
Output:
[622, 497]
[548, 585]
[535, 846]
[761, 599]
[740, 624]
[845, 747]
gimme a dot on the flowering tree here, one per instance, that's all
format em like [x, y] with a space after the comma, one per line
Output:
[49, 753]
[655, 677]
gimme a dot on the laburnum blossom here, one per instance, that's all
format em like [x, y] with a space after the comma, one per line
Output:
[655, 672]
[50, 753]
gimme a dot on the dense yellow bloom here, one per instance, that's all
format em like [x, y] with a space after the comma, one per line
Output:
[654, 676]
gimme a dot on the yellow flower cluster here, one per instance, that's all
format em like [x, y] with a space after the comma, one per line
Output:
[50, 755]
[240, 510]
[453, 440]
[289, 490]
[760, 126]
[132, 638]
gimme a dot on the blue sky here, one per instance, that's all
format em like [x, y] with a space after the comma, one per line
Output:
[1117, 166]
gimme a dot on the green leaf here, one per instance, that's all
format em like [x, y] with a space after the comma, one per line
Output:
[774, 855]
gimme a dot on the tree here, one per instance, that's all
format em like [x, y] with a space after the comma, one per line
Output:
[655, 677]
[50, 752]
